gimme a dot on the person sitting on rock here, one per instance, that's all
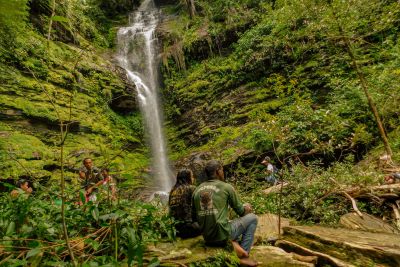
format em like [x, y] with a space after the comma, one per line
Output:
[22, 188]
[212, 200]
[91, 178]
[180, 205]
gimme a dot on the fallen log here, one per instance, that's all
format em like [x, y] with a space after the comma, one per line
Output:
[275, 188]
[387, 188]
[396, 215]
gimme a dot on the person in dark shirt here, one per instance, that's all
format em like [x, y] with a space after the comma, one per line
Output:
[90, 178]
[180, 204]
[212, 200]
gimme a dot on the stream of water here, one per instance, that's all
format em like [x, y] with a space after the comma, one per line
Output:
[137, 54]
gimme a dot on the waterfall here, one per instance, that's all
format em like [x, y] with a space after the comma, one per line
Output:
[137, 54]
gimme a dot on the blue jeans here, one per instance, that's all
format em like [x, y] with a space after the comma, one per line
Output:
[271, 179]
[244, 227]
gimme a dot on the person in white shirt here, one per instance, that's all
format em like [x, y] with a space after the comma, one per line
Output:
[270, 171]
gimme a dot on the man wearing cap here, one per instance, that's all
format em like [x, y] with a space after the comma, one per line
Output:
[271, 171]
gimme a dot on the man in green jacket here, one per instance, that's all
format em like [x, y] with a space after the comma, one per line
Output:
[212, 200]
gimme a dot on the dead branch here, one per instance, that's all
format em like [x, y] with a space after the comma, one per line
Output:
[353, 203]
[396, 215]
[174, 262]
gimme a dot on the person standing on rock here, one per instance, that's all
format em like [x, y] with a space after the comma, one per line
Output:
[271, 171]
[180, 205]
[90, 178]
[212, 200]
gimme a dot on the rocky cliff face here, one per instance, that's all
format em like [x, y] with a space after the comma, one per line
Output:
[49, 83]
[256, 78]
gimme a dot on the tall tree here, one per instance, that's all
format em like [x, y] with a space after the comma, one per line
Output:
[351, 38]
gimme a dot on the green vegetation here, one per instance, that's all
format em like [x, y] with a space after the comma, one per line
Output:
[242, 79]
[107, 233]
[42, 81]
[249, 78]
[285, 72]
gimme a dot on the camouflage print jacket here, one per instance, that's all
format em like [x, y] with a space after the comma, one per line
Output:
[180, 203]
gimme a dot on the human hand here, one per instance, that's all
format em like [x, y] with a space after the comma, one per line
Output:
[89, 191]
[14, 193]
[29, 190]
[247, 208]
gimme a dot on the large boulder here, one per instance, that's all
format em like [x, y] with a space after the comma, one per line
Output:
[124, 100]
[196, 162]
[267, 228]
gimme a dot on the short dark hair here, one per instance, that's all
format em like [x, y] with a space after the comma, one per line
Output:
[184, 177]
[85, 159]
[211, 167]
[21, 182]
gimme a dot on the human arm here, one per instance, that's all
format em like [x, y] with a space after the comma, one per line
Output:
[82, 173]
[90, 189]
[194, 213]
[234, 201]
[247, 208]
[14, 193]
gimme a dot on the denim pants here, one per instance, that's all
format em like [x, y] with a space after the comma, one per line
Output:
[242, 230]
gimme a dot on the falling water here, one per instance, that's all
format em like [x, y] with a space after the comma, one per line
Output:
[138, 56]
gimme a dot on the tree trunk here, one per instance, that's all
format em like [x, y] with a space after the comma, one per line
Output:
[364, 86]
[191, 8]
[64, 225]
[53, 11]
[369, 98]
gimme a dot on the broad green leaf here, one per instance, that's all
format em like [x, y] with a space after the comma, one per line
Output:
[95, 213]
[82, 196]
[154, 262]
[33, 252]
[10, 229]
[59, 19]
[58, 202]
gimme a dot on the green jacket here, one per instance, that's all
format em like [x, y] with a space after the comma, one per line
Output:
[211, 201]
